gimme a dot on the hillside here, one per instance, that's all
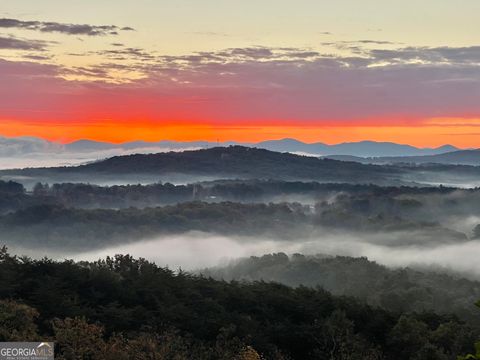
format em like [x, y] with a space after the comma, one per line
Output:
[219, 162]
[239, 162]
[123, 308]
[401, 290]
[461, 157]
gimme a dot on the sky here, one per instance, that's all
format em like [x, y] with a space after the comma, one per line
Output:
[330, 71]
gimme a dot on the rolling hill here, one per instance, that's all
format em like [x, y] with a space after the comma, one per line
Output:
[219, 162]
[461, 157]
[239, 162]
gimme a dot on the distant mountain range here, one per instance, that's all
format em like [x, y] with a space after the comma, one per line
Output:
[362, 148]
[461, 157]
[34, 152]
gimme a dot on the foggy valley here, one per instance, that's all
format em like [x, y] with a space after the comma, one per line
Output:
[378, 234]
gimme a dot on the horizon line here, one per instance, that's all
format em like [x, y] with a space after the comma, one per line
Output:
[236, 142]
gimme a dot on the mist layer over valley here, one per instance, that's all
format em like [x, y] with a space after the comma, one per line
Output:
[239, 219]
[195, 250]
[200, 224]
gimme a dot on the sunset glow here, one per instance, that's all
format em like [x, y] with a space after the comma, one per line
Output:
[105, 75]
[117, 132]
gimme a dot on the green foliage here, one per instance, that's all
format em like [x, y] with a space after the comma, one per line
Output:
[477, 347]
[125, 308]
[471, 356]
[400, 290]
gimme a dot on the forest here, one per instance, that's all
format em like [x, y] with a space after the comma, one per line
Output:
[84, 216]
[124, 308]
[402, 290]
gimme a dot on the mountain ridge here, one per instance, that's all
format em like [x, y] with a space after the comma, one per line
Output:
[460, 157]
[219, 162]
[18, 146]
[364, 148]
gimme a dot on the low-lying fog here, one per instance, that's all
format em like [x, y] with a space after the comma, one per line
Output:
[197, 250]
[36, 153]
[461, 184]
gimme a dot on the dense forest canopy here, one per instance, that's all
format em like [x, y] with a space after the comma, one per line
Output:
[402, 290]
[131, 306]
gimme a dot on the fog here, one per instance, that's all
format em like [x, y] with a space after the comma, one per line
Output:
[58, 156]
[466, 183]
[107, 179]
[196, 250]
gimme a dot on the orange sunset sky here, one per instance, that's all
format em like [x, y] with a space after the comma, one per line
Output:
[250, 71]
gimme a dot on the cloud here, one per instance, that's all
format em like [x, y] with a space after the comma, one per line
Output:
[13, 43]
[438, 55]
[37, 57]
[69, 29]
[125, 52]
[252, 84]
[26, 146]
[21, 152]
[377, 42]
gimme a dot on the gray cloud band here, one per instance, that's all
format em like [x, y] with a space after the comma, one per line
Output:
[69, 29]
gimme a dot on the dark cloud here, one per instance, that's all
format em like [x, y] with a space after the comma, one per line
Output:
[377, 42]
[13, 43]
[251, 52]
[37, 57]
[69, 29]
[126, 53]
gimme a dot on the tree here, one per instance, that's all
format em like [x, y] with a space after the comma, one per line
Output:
[475, 356]
[408, 337]
[79, 340]
[17, 322]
